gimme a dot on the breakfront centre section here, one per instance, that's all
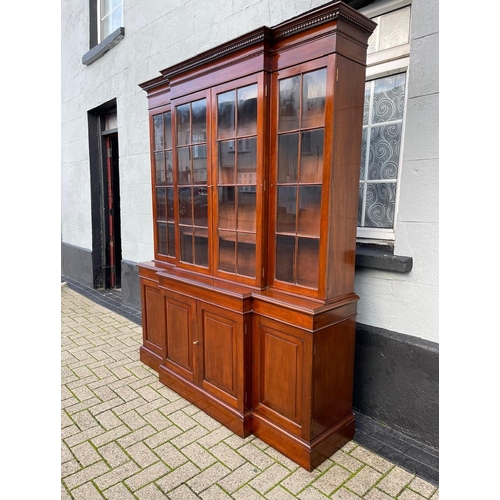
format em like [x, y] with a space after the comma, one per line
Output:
[248, 307]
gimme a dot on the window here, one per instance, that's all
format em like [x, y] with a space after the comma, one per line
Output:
[383, 120]
[110, 13]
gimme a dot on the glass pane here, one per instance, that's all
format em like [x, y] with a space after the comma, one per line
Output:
[184, 164]
[389, 98]
[226, 162]
[170, 204]
[311, 157]
[200, 205]
[186, 234]
[247, 110]
[162, 237]
[286, 216]
[183, 125]
[385, 145]
[360, 204]
[185, 206]
[116, 19]
[158, 132]
[105, 7]
[246, 210]
[169, 160]
[285, 254]
[115, 3]
[288, 154]
[247, 161]
[227, 212]
[168, 129]
[161, 204]
[392, 30]
[160, 169]
[106, 25]
[307, 262]
[313, 99]
[380, 201]
[199, 164]
[366, 108]
[289, 102]
[199, 111]
[309, 210]
[226, 114]
[227, 251]
[201, 247]
[171, 239]
[246, 255]
[364, 146]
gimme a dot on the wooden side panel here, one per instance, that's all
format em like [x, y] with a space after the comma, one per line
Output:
[180, 316]
[154, 331]
[223, 356]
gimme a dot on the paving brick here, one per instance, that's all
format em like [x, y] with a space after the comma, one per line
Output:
[85, 475]
[157, 420]
[189, 437]
[70, 467]
[410, 495]
[208, 477]
[203, 419]
[133, 420]
[347, 461]
[299, 480]
[108, 420]
[363, 480]
[436, 495]
[212, 438]
[310, 493]
[141, 454]
[214, 493]
[331, 479]
[85, 420]
[86, 454]
[162, 436]
[178, 476]
[172, 407]
[256, 456]
[343, 494]
[269, 478]
[198, 455]
[150, 492]
[247, 493]
[86, 492]
[422, 487]
[182, 493]
[395, 481]
[227, 456]
[280, 458]
[80, 437]
[109, 436]
[118, 492]
[279, 493]
[376, 494]
[181, 420]
[117, 475]
[106, 405]
[239, 477]
[147, 475]
[136, 436]
[113, 454]
[373, 460]
[65, 453]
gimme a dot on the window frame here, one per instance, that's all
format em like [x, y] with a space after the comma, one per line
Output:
[100, 19]
[381, 64]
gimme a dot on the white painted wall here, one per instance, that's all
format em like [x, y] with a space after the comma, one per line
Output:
[159, 33]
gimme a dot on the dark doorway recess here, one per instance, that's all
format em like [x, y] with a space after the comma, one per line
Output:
[105, 196]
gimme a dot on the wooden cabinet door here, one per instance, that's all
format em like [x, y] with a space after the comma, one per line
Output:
[152, 313]
[282, 375]
[221, 353]
[180, 317]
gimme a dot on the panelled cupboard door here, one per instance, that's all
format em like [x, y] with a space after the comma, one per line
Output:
[282, 375]
[222, 352]
[153, 321]
[180, 317]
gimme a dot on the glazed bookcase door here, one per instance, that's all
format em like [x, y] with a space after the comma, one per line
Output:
[163, 183]
[238, 162]
[192, 173]
[300, 171]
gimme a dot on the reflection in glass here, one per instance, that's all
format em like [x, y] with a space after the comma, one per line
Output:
[200, 206]
[285, 256]
[158, 132]
[185, 206]
[226, 162]
[171, 239]
[167, 117]
[247, 110]
[313, 98]
[226, 114]
[183, 124]
[161, 230]
[309, 210]
[311, 158]
[307, 258]
[246, 255]
[160, 169]
[186, 235]
[199, 121]
[170, 204]
[200, 247]
[286, 216]
[199, 164]
[289, 102]
[161, 204]
[227, 211]
[288, 153]
[246, 210]
[184, 165]
[227, 251]
[169, 162]
[247, 160]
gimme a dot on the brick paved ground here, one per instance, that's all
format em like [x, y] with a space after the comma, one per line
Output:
[126, 436]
